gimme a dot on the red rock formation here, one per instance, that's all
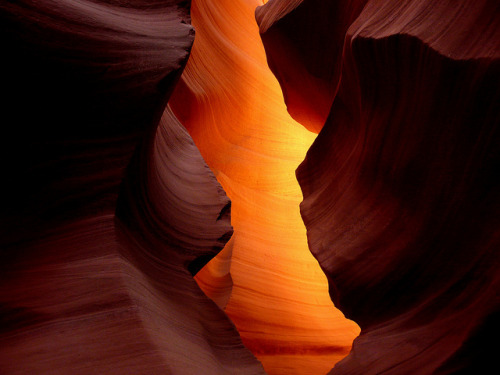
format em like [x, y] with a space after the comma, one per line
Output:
[82, 289]
[304, 43]
[401, 186]
[232, 105]
[109, 209]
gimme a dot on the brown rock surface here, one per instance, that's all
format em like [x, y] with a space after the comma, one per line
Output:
[400, 188]
[85, 290]
[304, 40]
[109, 208]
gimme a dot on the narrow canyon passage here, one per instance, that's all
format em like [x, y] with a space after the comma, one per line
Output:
[109, 207]
[233, 107]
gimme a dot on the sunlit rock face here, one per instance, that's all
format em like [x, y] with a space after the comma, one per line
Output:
[232, 106]
[108, 207]
[400, 188]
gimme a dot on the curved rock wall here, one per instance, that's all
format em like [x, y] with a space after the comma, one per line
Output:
[108, 206]
[304, 42]
[400, 187]
[109, 209]
[231, 104]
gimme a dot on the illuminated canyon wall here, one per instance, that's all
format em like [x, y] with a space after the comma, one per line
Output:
[115, 170]
[233, 107]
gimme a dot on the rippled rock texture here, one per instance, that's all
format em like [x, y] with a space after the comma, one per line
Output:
[266, 278]
[401, 187]
[108, 207]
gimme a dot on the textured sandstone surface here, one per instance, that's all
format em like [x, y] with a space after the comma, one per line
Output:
[108, 207]
[232, 105]
[400, 187]
[113, 200]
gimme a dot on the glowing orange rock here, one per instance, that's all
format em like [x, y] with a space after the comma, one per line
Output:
[233, 107]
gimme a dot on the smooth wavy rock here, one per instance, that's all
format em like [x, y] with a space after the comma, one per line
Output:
[232, 106]
[304, 41]
[401, 187]
[108, 207]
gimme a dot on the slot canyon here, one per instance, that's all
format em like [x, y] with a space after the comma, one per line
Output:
[248, 187]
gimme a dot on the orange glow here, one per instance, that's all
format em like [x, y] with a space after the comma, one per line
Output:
[233, 107]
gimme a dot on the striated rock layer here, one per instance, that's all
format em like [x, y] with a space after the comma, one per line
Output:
[400, 188]
[108, 207]
[232, 106]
